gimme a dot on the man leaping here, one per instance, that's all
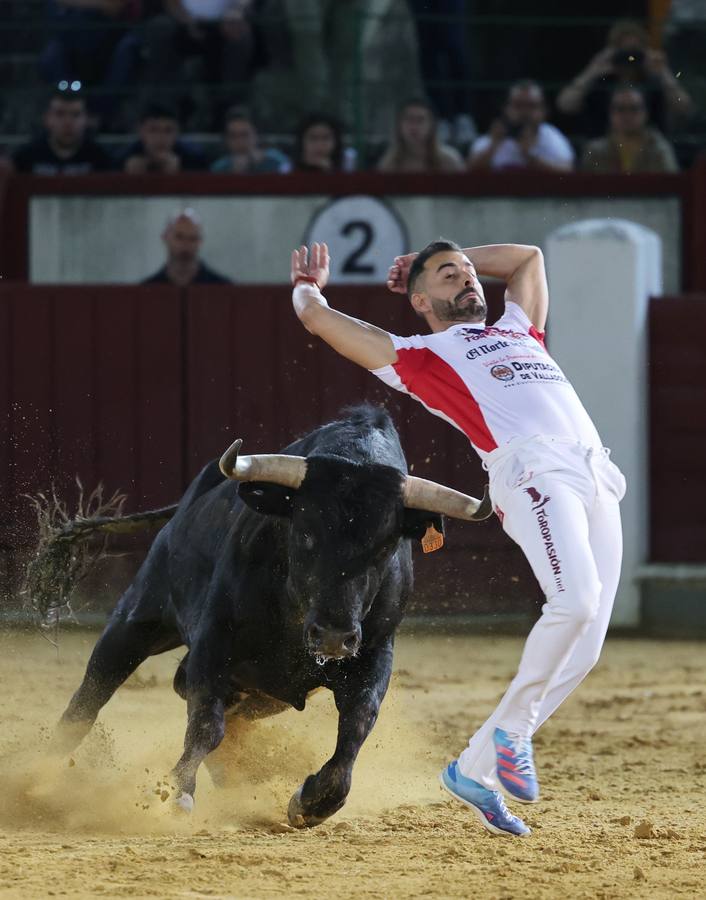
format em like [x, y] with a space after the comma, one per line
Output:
[552, 483]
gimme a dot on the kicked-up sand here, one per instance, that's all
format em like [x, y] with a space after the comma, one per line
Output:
[622, 767]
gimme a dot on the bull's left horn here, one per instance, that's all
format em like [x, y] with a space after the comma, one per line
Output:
[419, 493]
[277, 468]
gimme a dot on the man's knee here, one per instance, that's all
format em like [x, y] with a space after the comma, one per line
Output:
[578, 603]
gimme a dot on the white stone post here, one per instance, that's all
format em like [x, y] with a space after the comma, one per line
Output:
[601, 275]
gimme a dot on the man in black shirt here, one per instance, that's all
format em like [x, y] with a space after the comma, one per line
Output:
[64, 148]
[183, 237]
[159, 149]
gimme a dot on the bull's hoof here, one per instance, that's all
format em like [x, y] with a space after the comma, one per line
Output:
[184, 803]
[297, 815]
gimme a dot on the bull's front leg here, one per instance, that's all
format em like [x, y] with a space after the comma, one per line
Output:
[204, 732]
[203, 681]
[358, 697]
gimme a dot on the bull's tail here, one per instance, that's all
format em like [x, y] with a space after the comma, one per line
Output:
[81, 528]
[65, 554]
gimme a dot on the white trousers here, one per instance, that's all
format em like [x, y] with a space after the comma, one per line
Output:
[559, 501]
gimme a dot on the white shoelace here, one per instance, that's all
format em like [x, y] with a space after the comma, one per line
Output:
[522, 748]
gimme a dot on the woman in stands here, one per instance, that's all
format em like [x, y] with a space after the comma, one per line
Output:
[415, 146]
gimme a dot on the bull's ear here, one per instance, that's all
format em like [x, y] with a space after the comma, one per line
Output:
[266, 498]
[416, 521]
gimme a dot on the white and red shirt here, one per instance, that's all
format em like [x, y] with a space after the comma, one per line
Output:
[494, 383]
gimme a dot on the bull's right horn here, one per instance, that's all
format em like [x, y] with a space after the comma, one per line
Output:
[419, 493]
[277, 468]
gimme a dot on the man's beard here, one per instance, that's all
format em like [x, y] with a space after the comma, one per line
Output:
[474, 309]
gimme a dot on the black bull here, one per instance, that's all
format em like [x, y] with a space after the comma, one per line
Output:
[275, 592]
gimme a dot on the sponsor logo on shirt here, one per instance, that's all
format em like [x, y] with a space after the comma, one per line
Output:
[502, 373]
[538, 371]
[484, 349]
[469, 334]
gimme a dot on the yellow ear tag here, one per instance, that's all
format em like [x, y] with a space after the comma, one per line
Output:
[432, 540]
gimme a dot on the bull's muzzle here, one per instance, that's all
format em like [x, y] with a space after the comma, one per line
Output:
[329, 643]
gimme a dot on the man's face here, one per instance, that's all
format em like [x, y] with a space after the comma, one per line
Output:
[158, 136]
[318, 144]
[66, 121]
[450, 284]
[183, 239]
[525, 106]
[241, 137]
[628, 115]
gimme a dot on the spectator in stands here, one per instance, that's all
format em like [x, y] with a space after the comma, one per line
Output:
[521, 137]
[415, 146]
[159, 148]
[244, 153]
[630, 145]
[357, 59]
[183, 237]
[92, 42]
[446, 49]
[319, 145]
[627, 59]
[216, 34]
[64, 148]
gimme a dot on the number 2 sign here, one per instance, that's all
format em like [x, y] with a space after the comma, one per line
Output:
[364, 235]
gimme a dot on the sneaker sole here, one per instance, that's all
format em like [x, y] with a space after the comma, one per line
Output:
[508, 796]
[478, 813]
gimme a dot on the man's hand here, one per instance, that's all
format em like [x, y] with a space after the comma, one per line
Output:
[314, 265]
[527, 139]
[398, 273]
[358, 341]
[497, 132]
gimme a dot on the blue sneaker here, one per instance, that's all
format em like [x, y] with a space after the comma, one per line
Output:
[516, 772]
[488, 806]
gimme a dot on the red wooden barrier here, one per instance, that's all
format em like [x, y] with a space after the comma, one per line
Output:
[91, 387]
[677, 429]
[141, 386]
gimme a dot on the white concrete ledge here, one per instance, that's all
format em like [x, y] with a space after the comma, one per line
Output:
[685, 572]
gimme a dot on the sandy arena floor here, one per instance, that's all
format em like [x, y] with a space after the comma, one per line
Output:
[623, 767]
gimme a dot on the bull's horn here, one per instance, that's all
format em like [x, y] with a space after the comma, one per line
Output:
[419, 493]
[273, 467]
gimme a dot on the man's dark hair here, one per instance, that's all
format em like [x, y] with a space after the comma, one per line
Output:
[629, 88]
[157, 110]
[66, 96]
[238, 114]
[440, 245]
[336, 127]
[525, 84]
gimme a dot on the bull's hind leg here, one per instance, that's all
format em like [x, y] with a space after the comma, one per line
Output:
[358, 697]
[120, 649]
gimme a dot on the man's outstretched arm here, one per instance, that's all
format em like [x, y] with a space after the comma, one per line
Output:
[358, 341]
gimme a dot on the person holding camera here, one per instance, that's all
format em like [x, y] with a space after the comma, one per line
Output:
[626, 60]
[521, 137]
[631, 144]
